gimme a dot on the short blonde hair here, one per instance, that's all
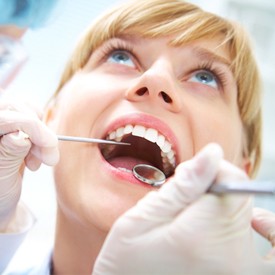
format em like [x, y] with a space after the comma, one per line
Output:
[187, 22]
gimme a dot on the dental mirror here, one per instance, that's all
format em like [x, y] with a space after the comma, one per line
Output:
[155, 177]
[149, 174]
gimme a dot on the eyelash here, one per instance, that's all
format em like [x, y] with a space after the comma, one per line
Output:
[118, 45]
[218, 73]
[114, 46]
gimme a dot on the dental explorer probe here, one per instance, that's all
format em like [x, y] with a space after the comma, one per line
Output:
[155, 177]
[90, 140]
[252, 187]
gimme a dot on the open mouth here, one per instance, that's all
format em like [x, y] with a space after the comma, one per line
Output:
[148, 146]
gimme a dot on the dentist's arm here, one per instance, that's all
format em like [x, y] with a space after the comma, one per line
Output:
[182, 230]
[24, 140]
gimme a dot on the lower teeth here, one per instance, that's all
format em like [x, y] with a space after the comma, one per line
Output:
[124, 169]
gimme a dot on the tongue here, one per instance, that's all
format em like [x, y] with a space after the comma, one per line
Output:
[126, 162]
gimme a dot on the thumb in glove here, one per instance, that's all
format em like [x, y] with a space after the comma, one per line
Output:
[14, 147]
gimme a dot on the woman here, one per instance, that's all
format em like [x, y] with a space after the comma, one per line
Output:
[169, 78]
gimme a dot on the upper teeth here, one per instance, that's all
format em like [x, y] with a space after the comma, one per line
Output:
[152, 135]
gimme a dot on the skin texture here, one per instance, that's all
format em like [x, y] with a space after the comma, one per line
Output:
[91, 196]
[12, 31]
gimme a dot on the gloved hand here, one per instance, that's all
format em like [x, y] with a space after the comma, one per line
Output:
[263, 222]
[24, 139]
[181, 230]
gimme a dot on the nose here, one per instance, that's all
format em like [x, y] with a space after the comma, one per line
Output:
[157, 84]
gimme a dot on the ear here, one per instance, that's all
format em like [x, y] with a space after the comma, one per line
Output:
[50, 114]
[247, 165]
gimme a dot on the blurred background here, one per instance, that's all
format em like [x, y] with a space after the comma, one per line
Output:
[49, 48]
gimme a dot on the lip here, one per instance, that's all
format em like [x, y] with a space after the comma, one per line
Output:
[124, 176]
[147, 121]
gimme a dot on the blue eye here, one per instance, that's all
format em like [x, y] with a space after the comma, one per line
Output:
[206, 78]
[121, 57]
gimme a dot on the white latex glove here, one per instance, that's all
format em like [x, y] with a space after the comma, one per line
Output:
[264, 223]
[24, 138]
[181, 230]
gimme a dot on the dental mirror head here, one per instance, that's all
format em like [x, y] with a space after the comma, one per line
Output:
[149, 174]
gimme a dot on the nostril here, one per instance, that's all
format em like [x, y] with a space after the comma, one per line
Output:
[142, 91]
[166, 97]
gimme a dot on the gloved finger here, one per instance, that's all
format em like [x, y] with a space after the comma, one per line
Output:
[47, 155]
[231, 173]
[213, 213]
[191, 180]
[13, 149]
[33, 108]
[37, 156]
[263, 222]
[13, 146]
[213, 217]
[38, 132]
[32, 162]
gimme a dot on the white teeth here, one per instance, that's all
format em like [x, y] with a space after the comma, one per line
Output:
[120, 132]
[160, 141]
[119, 138]
[124, 169]
[150, 134]
[128, 129]
[112, 135]
[170, 154]
[138, 131]
[166, 148]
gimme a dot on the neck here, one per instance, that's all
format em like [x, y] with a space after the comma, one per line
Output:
[76, 247]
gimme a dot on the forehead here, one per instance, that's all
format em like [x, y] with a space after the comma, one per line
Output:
[187, 23]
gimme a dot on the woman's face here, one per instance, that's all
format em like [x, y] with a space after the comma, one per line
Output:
[168, 102]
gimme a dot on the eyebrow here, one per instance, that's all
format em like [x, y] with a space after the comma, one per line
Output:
[200, 52]
[203, 53]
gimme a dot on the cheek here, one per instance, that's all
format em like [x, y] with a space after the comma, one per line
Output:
[83, 100]
[88, 196]
[222, 127]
